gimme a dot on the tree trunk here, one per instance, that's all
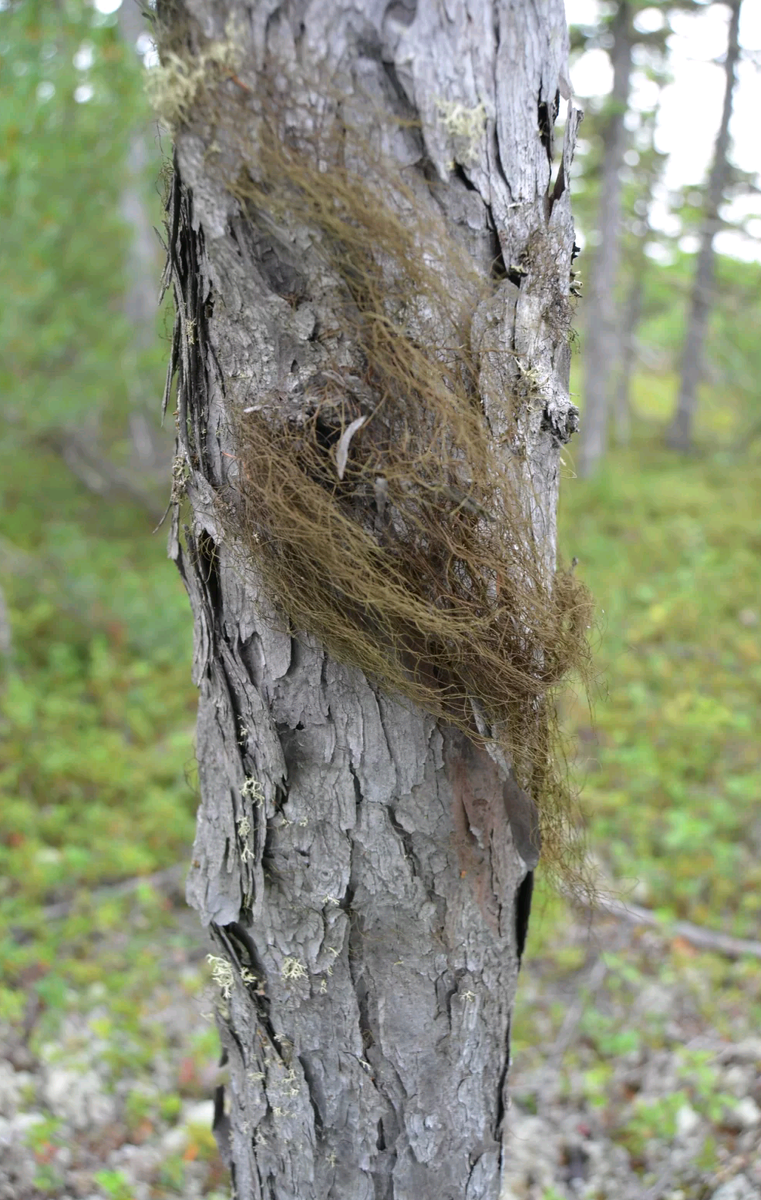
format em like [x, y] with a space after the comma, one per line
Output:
[364, 863]
[600, 335]
[140, 293]
[149, 445]
[681, 431]
[628, 346]
[635, 268]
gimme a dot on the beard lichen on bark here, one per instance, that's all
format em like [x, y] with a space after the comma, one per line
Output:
[379, 626]
[377, 496]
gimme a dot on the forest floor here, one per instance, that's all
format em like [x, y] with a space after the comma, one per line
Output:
[636, 1072]
[636, 1067]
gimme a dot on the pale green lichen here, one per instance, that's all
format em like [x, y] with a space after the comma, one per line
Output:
[175, 85]
[465, 125]
[180, 477]
[222, 974]
[254, 791]
[244, 829]
[293, 969]
[289, 1083]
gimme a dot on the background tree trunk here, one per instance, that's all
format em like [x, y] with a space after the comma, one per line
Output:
[681, 430]
[140, 294]
[631, 312]
[600, 333]
[365, 870]
[634, 269]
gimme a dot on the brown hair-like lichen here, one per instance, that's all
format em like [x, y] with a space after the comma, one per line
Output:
[375, 503]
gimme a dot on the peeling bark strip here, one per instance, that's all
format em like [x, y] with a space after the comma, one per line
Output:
[365, 869]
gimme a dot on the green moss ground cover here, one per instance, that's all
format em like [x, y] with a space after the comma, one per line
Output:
[96, 708]
[671, 769]
[670, 772]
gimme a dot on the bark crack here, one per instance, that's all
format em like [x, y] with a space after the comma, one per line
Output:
[314, 1093]
[502, 1086]
[406, 842]
[386, 736]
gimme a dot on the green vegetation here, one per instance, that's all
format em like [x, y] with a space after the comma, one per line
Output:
[671, 769]
[70, 94]
[97, 759]
[97, 774]
[96, 707]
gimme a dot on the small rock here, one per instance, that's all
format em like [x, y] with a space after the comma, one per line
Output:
[739, 1188]
[78, 1097]
[63, 1157]
[9, 1090]
[736, 1079]
[529, 1155]
[687, 1121]
[748, 1050]
[139, 1163]
[24, 1121]
[576, 1166]
[174, 1140]
[17, 1171]
[747, 1113]
[199, 1114]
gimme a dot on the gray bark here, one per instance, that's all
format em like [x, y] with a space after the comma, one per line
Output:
[680, 433]
[365, 871]
[600, 334]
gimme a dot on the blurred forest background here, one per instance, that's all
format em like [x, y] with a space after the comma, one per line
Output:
[101, 975]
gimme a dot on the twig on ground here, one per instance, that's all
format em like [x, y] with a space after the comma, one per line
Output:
[549, 1072]
[576, 1012]
[697, 935]
[168, 878]
[659, 1187]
